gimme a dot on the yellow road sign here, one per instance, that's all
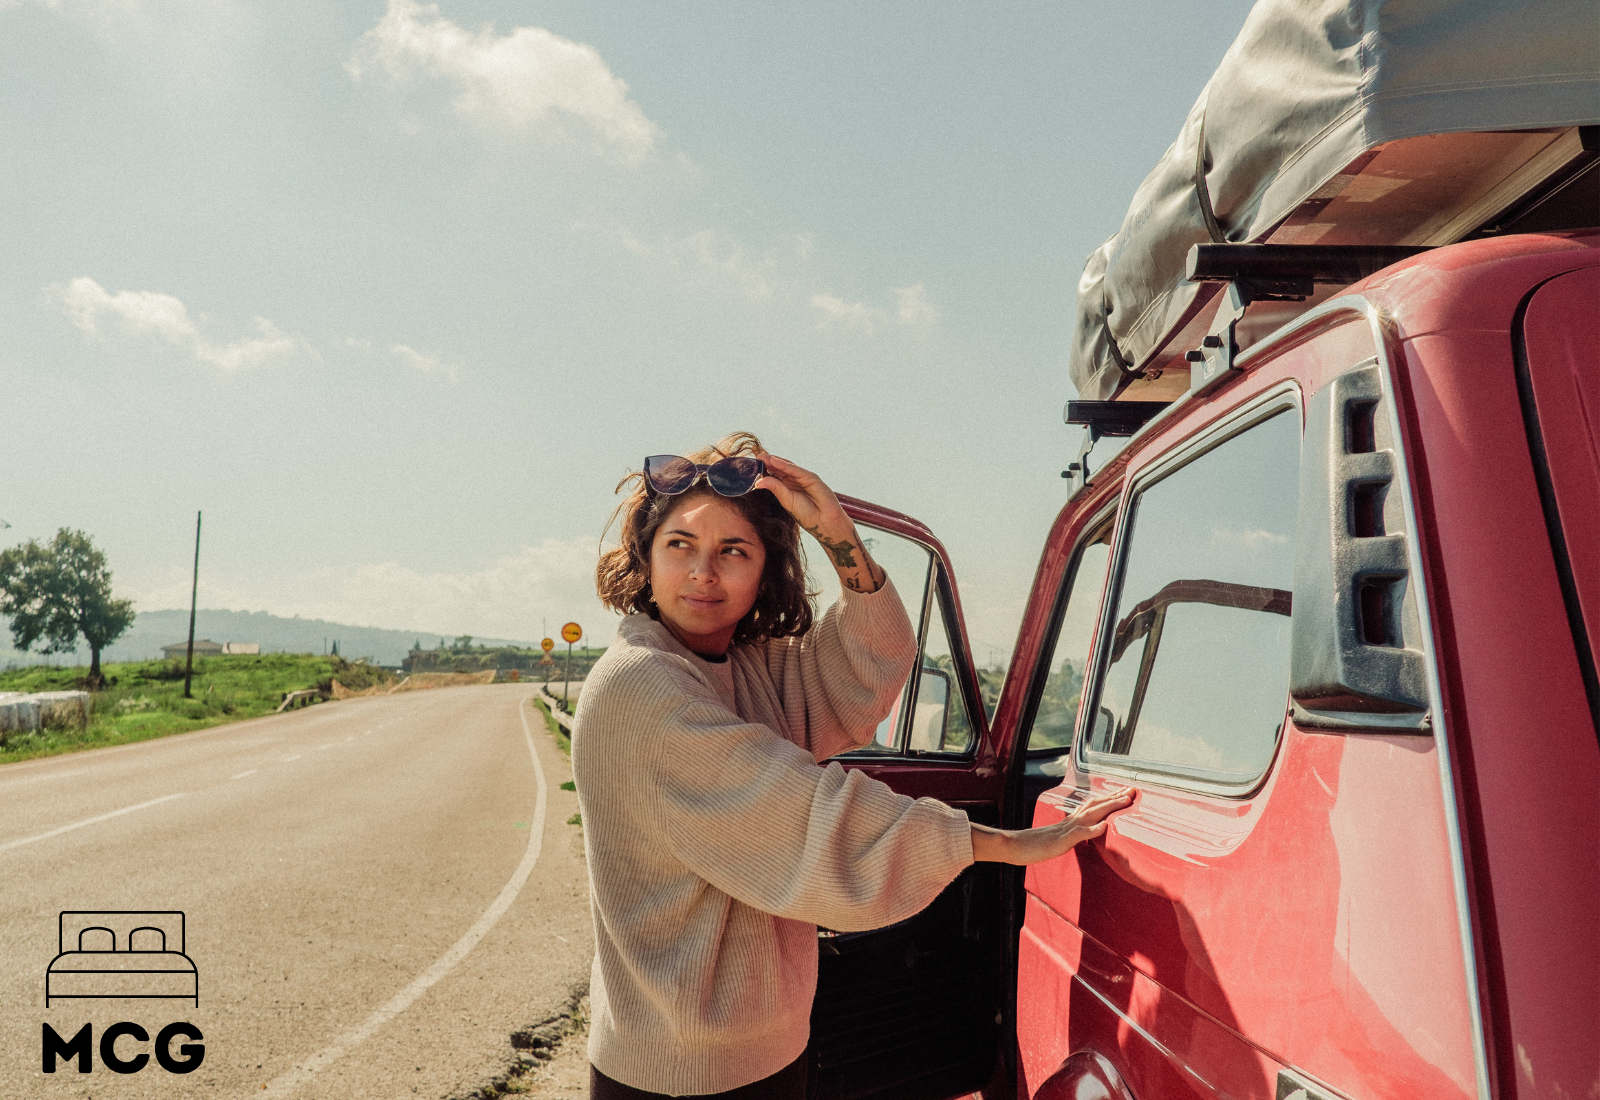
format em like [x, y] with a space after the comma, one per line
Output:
[571, 632]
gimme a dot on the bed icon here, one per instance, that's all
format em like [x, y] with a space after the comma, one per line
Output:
[123, 953]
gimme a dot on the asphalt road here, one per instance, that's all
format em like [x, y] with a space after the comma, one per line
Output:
[377, 894]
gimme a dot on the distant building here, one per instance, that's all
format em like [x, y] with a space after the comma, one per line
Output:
[207, 648]
[203, 647]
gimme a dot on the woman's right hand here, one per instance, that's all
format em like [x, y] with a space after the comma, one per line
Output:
[1021, 847]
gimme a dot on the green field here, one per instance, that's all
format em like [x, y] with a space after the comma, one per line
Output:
[144, 699]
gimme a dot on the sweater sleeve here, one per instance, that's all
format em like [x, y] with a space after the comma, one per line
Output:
[842, 677]
[750, 813]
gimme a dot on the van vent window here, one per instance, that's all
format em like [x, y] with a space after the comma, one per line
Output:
[1057, 712]
[1197, 666]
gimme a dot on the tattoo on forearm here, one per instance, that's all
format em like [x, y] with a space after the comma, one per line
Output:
[853, 583]
[842, 550]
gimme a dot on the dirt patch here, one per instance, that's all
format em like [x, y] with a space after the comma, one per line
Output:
[422, 681]
[552, 1060]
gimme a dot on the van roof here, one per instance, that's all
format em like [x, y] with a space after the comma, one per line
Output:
[1339, 122]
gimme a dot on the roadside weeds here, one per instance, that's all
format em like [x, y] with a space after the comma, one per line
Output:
[552, 1060]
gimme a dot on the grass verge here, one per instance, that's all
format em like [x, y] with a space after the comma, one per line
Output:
[144, 699]
[554, 727]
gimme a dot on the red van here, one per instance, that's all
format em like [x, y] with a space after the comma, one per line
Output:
[1332, 607]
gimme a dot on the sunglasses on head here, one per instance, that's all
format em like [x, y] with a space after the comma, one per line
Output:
[734, 476]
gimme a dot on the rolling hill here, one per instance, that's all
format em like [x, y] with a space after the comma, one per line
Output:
[275, 634]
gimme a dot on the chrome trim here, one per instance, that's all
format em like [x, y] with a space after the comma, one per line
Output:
[1384, 339]
[930, 577]
[1185, 1065]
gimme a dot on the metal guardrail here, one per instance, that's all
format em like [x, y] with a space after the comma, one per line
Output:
[304, 698]
[563, 719]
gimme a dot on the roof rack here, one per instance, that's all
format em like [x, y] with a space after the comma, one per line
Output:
[1254, 273]
[1112, 417]
[1287, 272]
[1102, 418]
[1270, 273]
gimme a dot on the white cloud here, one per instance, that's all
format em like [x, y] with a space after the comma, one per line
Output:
[912, 306]
[912, 309]
[528, 78]
[89, 306]
[1251, 541]
[766, 274]
[719, 253]
[426, 364]
[77, 7]
[838, 313]
[709, 250]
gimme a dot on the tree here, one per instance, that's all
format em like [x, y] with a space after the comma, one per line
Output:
[57, 592]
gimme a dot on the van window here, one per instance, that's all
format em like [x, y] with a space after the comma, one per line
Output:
[941, 723]
[910, 565]
[1057, 713]
[1196, 658]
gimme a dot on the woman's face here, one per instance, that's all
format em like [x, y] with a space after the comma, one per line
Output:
[706, 562]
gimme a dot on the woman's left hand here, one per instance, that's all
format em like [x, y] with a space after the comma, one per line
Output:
[807, 498]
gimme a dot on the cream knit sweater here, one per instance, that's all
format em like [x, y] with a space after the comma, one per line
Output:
[717, 842]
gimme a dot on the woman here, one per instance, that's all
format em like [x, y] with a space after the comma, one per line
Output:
[717, 839]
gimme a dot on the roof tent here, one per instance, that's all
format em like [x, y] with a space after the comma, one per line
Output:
[1340, 122]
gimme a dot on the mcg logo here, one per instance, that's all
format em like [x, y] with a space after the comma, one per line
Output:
[124, 954]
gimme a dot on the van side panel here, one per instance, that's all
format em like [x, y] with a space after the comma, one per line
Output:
[1119, 1012]
[1522, 734]
[1312, 923]
[1316, 917]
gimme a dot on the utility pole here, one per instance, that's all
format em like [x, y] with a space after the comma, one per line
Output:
[194, 593]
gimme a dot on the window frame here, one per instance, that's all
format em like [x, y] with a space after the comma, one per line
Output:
[1283, 397]
[1104, 519]
[936, 584]
[977, 719]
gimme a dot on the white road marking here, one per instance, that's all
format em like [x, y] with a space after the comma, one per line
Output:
[10, 844]
[285, 1084]
[241, 775]
[329, 745]
[296, 756]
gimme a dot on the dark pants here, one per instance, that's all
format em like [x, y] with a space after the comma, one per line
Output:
[788, 1083]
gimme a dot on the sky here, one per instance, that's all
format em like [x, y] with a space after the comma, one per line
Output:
[395, 293]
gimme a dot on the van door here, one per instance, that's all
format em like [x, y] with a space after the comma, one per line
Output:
[914, 1011]
[1182, 695]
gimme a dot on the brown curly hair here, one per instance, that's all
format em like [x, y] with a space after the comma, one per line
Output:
[783, 603]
